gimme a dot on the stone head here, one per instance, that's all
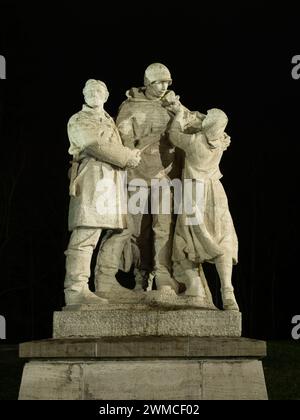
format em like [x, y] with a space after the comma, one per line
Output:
[95, 93]
[157, 79]
[214, 123]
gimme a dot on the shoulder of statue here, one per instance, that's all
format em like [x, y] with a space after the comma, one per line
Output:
[75, 119]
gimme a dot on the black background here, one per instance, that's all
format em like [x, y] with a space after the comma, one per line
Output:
[235, 57]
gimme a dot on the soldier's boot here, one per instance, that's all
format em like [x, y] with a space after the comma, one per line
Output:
[163, 278]
[76, 282]
[188, 274]
[107, 266]
[142, 280]
[193, 284]
[162, 255]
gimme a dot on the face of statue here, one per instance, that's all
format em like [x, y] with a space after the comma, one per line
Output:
[96, 98]
[157, 89]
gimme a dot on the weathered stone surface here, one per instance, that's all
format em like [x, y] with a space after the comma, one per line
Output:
[164, 298]
[98, 158]
[124, 322]
[134, 347]
[54, 381]
[143, 379]
[238, 380]
[145, 367]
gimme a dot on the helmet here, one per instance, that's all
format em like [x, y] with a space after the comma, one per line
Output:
[157, 72]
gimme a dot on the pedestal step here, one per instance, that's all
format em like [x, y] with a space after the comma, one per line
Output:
[135, 320]
[144, 368]
[135, 347]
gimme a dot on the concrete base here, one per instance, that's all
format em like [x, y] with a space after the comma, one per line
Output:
[144, 368]
[142, 320]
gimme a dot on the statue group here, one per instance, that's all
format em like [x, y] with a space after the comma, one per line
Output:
[147, 186]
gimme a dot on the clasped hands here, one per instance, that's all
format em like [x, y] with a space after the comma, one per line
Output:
[134, 159]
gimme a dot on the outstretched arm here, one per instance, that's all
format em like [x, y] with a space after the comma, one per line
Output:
[114, 154]
[176, 134]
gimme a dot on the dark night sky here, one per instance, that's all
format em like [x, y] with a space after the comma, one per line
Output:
[237, 58]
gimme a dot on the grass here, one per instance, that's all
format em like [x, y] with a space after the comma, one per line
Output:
[11, 368]
[281, 367]
[282, 370]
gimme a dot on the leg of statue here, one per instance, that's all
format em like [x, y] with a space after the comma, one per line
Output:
[142, 245]
[78, 260]
[224, 268]
[205, 285]
[163, 228]
[187, 272]
[108, 262]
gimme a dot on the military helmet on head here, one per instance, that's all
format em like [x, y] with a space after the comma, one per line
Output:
[157, 72]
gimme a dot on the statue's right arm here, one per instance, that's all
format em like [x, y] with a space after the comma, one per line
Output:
[115, 154]
[181, 140]
[87, 135]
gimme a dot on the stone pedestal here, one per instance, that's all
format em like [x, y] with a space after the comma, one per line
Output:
[140, 352]
[142, 320]
[144, 368]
